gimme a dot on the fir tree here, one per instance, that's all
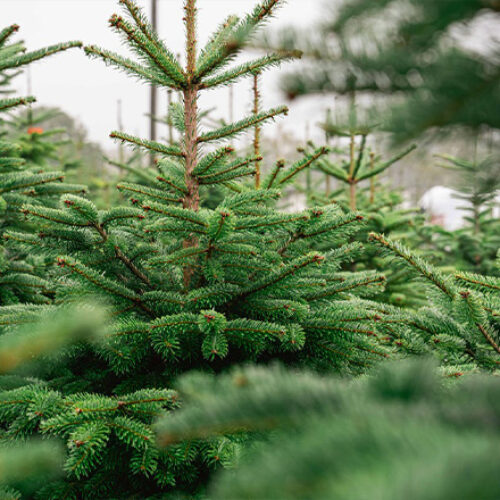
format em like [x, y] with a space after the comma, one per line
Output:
[405, 431]
[460, 323]
[418, 50]
[22, 177]
[350, 182]
[38, 145]
[474, 247]
[189, 287]
[26, 467]
[361, 164]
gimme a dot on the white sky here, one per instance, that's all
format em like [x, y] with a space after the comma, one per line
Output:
[88, 90]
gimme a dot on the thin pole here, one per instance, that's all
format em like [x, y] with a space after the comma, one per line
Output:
[169, 118]
[120, 127]
[153, 94]
[352, 182]
[372, 179]
[231, 104]
[327, 141]
[256, 140]
[30, 90]
[308, 171]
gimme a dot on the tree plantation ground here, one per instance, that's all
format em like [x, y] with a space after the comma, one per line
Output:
[191, 336]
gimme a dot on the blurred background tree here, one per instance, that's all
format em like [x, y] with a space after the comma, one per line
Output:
[433, 59]
[418, 68]
[402, 433]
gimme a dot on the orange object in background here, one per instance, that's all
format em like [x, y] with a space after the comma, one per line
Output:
[35, 130]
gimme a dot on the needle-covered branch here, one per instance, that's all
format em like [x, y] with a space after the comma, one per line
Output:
[420, 265]
[29, 57]
[153, 146]
[249, 69]
[302, 164]
[129, 66]
[384, 166]
[236, 128]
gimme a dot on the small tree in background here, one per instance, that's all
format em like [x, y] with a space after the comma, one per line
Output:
[474, 247]
[24, 176]
[361, 164]
[350, 182]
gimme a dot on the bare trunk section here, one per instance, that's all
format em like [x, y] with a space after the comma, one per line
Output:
[352, 196]
[372, 179]
[192, 199]
[169, 119]
[256, 141]
[327, 142]
[352, 190]
[153, 97]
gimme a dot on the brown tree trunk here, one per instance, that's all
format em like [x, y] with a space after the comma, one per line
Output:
[352, 187]
[372, 179]
[192, 198]
[256, 141]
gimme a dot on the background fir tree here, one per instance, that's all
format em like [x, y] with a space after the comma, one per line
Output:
[461, 323]
[349, 180]
[38, 146]
[189, 287]
[414, 54]
[22, 178]
[474, 247]
[80, 159]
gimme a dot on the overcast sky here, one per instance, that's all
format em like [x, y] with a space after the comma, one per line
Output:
[89, 91]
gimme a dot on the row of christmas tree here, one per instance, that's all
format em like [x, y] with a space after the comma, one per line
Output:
[114, 321]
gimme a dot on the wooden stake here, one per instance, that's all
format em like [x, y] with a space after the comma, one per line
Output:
[120, 127]
[231, 103]
[327, 141]
[372, 179]
[352, 190]
[169, 119]
[153, 91]
[256, 140]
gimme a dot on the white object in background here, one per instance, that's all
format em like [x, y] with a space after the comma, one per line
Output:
[443, 208]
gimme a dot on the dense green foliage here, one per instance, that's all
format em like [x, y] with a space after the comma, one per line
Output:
[461, 318]
[25, 176]
[164, 389]
[188, 286]
[403, 432]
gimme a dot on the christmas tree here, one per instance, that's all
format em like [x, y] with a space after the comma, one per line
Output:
[188, 286]
[350, 181]
[461, 318]
[23, 177]
[474, 247]
[416, 56]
